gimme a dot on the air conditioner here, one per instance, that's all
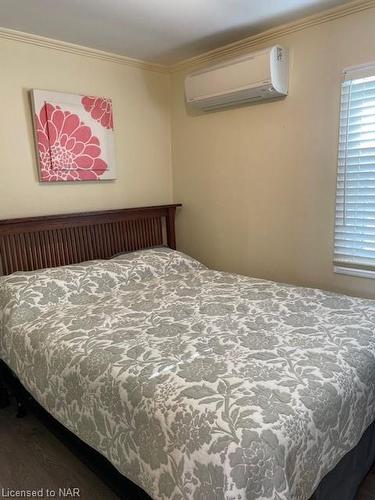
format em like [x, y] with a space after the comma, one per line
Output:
[254, 77]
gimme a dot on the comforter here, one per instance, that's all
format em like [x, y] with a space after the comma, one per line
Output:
[195, 384]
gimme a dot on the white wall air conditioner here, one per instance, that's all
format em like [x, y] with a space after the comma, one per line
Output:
[254, 77]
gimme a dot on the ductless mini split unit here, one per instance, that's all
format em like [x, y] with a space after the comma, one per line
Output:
[255, 77]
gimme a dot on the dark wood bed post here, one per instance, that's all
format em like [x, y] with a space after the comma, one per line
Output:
[4, 396]
[10, 386]
[171, 229]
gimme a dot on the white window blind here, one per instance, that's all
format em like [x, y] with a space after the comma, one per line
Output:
[355, 197]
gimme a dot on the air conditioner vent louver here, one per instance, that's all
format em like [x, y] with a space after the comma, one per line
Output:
[258, 76]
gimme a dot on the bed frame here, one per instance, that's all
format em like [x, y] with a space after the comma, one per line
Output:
[50, 241]
[57, 240]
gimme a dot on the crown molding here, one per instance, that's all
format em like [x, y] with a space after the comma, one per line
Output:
[229, 50]
[238, 47]
[72, 48]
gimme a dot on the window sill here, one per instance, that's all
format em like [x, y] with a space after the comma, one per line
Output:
[358, 273]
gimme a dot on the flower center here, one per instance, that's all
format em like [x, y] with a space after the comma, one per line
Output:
[61, 158]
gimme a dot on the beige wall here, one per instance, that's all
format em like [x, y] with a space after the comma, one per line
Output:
[142, 131]
[258, 182]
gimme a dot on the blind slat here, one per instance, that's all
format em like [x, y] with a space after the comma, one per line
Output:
[355, 120]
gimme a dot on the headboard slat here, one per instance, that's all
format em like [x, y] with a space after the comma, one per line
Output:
[50, 241]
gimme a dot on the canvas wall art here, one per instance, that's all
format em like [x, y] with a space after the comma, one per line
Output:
[74, 137]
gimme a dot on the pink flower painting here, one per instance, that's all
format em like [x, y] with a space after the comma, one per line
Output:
[74, 143]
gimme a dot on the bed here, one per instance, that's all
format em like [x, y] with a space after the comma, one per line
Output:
[193, 383]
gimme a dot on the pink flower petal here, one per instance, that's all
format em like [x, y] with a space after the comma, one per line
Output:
[84, 161]
[49, 109]
[82, 133]
[87, 175]
[44, 174]
[96, 113]
[58, 118]
[73, 175]
[42, 139]
[92, 150]
[70, 143]
[42, 119]
[52, 133]
[71, 123]
[63, 139]
[78, 148]
[99, 166]
[105, 120]
[88, 102]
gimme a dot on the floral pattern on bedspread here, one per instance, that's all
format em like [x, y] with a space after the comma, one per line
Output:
[195, 384]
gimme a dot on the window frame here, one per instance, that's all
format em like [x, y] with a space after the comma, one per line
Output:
[350, 74]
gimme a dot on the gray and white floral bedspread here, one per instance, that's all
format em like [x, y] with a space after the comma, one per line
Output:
[195, 384]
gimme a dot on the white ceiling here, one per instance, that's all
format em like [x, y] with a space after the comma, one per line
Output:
[162, 31]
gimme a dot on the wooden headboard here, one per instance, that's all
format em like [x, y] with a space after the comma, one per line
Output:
[57, 240]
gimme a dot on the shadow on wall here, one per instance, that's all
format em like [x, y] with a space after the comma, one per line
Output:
[26, 98]
[192, 110]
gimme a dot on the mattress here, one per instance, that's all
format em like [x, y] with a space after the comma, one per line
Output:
[195, 383]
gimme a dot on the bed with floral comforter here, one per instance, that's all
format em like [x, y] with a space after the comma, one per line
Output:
[195, 384]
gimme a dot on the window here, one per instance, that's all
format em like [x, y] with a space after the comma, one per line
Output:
[355, 197]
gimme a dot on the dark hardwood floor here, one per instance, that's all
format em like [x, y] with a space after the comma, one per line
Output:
[367, 489]
[34, 456]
